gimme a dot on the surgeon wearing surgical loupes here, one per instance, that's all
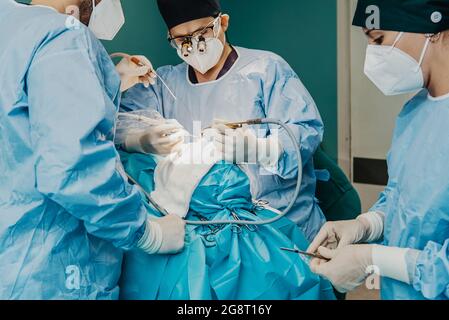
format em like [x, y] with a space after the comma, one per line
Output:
[66, 209]
[221, 81]
[408, 50]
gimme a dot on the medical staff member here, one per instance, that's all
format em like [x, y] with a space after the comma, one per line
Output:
[408, 50]
[220, 81]
[66, 210]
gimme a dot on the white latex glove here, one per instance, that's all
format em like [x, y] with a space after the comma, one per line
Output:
[162, 139]
[163, 236]
[242, 146]
[347, 268]
[366, 228]
[132, 73]
[396, 263]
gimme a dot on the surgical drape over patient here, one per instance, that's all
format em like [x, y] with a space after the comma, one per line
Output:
[219, 262]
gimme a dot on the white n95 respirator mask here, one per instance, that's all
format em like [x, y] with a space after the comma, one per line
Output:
[393, 71]
[107, 19]
[204, 61]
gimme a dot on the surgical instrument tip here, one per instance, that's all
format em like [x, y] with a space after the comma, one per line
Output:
[304, 253]
[139, 63]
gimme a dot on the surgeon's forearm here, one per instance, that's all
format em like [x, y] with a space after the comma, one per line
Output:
[89, 186]
[76, 166]
[431, 273]
[395, 263]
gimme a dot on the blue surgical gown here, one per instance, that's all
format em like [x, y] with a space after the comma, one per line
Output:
[416, 200]
[66, 211]
[259, 85]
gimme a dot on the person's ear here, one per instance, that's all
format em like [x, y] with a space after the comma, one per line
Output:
[225, 22]
[436, 37]
[445, 38]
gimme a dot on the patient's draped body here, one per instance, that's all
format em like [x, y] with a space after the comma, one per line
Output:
[222, 262]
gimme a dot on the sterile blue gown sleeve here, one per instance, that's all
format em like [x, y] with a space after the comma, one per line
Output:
[78, 166]
[415, 202]
[380, 205]
[287, 100]
[432, 270]
[141, 98]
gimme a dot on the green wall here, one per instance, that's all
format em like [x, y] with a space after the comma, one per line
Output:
[301, 31]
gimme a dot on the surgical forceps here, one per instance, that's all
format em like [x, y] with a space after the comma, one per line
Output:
[304, 253]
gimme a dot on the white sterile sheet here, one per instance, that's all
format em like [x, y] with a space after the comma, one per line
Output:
[177, 176]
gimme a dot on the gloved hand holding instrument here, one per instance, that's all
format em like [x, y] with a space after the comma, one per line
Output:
[163, 235]
[137, 69]
[237, 125]
[340, 260]
[366, 228]
[134, 70]
[345, 260]
[158, 136]
[241, 145]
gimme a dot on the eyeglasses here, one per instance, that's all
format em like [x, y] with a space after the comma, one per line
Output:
[210, 31]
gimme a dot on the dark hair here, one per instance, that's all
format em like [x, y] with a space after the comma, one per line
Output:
[86, 10]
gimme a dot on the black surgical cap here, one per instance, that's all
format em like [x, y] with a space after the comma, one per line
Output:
[415, 16]
[176, 12]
